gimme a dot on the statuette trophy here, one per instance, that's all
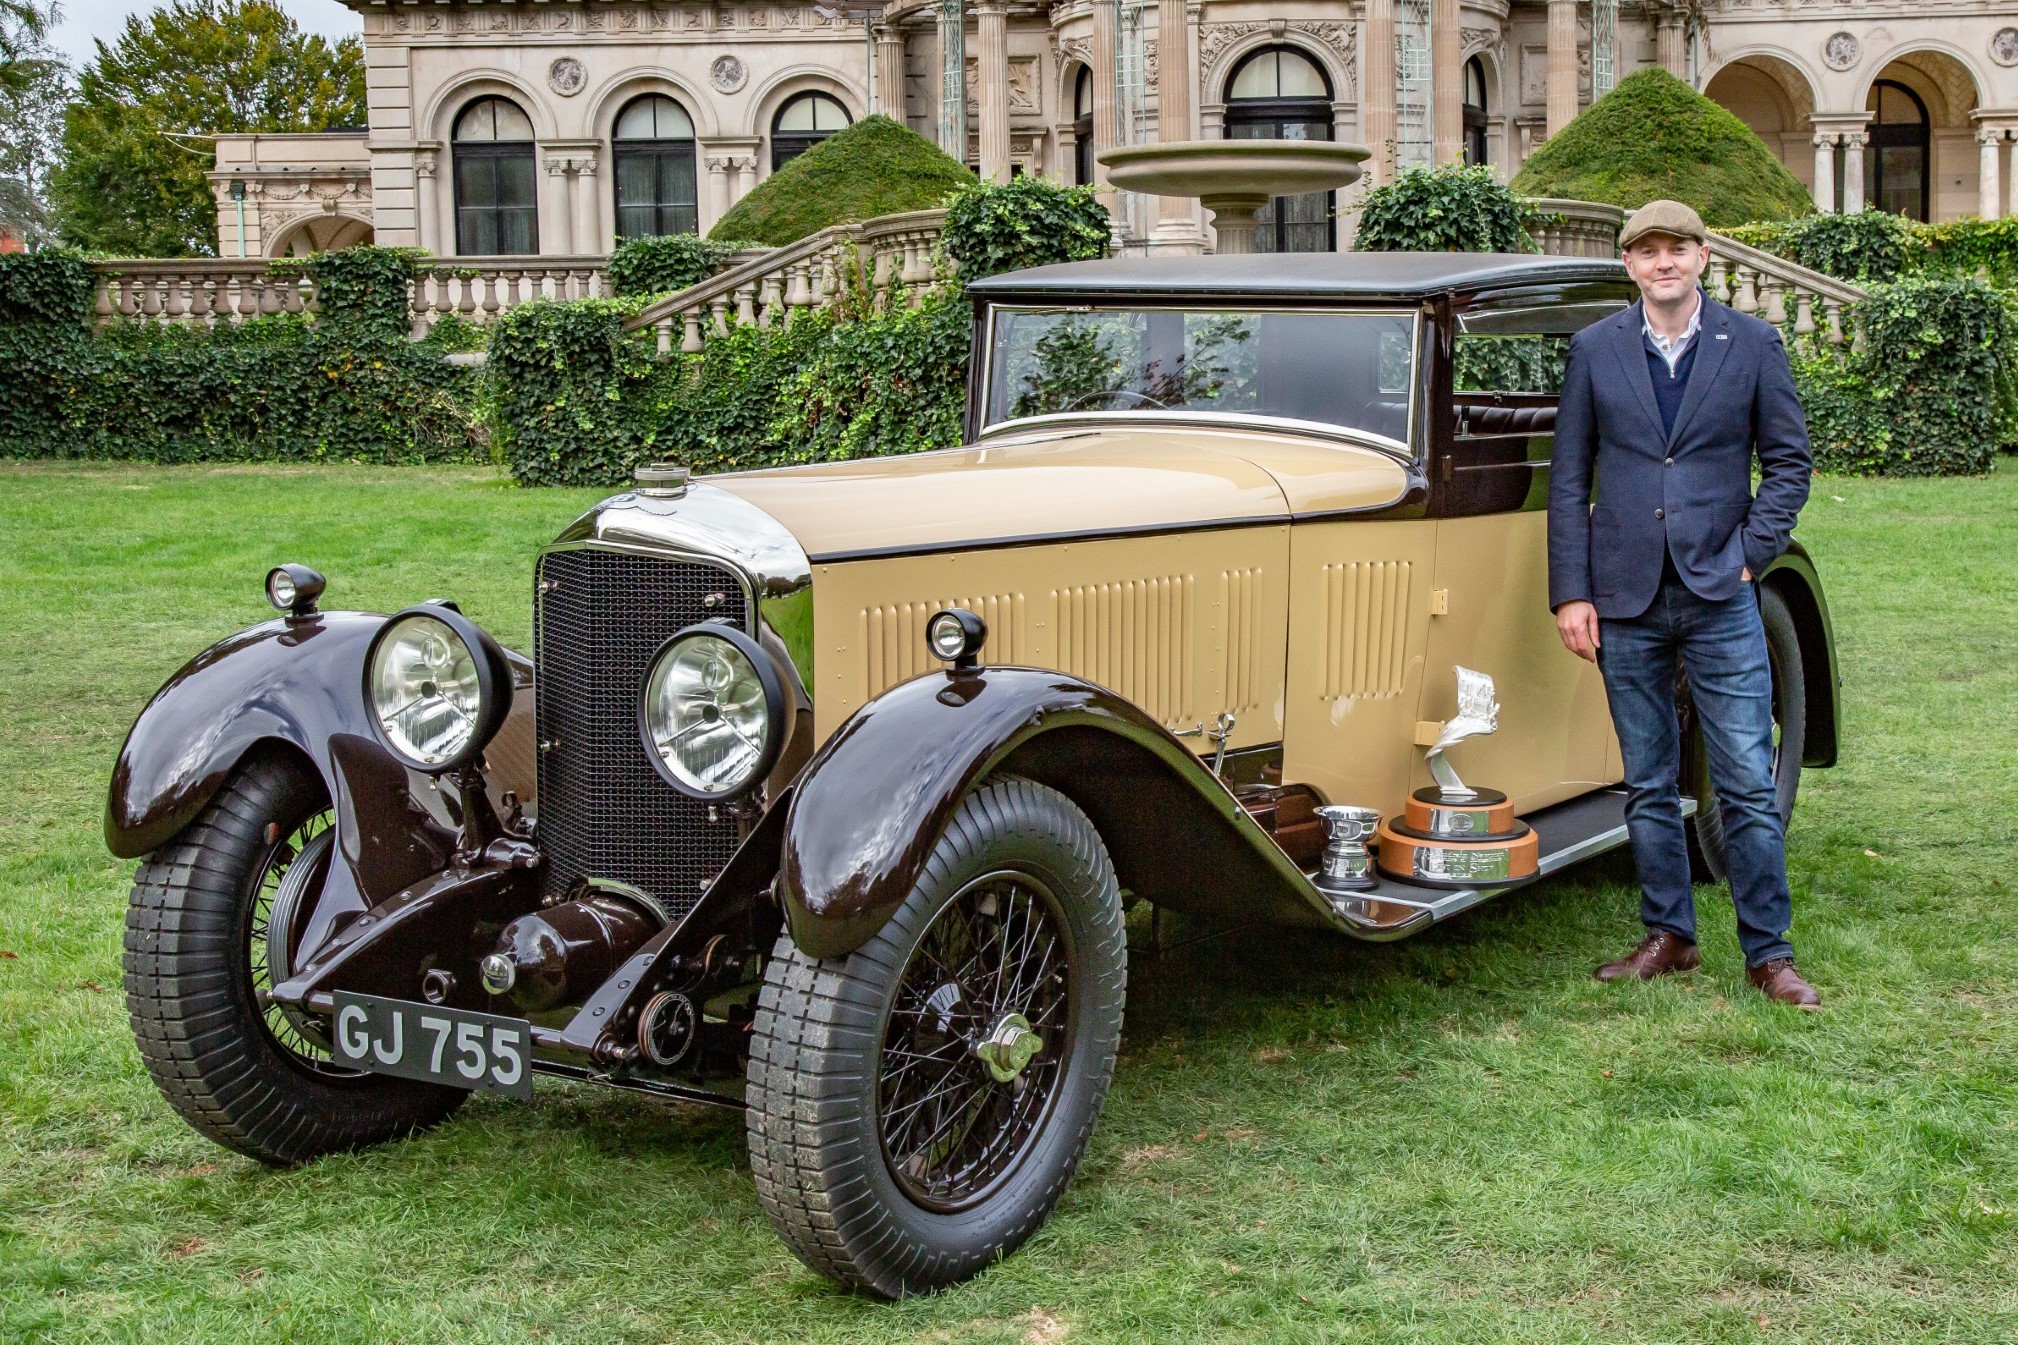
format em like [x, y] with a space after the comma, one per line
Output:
[1452, 834]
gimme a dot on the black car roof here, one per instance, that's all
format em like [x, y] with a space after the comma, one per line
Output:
[1298, 275]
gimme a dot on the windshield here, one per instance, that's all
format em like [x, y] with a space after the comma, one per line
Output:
[1350, 369]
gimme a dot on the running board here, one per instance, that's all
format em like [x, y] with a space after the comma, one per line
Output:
[1570, 832]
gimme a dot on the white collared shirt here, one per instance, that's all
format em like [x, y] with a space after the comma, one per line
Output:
[1672, 351]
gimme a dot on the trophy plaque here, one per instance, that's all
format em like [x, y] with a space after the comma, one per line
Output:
[1453, 835]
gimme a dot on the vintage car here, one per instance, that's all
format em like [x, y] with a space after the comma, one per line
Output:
[825, 789]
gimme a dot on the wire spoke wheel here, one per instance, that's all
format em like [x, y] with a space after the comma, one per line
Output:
[978, 1035]
[289, 881]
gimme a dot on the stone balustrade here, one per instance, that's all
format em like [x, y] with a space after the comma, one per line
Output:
[209, 291]
[1800, 301]
[1577, 228]
[883, 258]
[478, 289]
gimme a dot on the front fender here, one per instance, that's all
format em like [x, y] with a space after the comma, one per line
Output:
[1796, 579]
[870, 806]
[296, 682]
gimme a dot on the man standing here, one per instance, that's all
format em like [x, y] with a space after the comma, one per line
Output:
[1666, 404]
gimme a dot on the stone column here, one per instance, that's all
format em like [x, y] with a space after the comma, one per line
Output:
[588, 225]
[1825, 171]
[563, 194]
[1562, 86]
[890, 72]
[1990, 185]
[1446, 65]
[718, 188]
[992, 23]
[1377, 80]
[1105, 112]
[426, 211]
[1176, 230]
[1853, 172]
[1671, 43]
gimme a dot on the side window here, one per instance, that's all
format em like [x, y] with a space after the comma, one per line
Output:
[1502, 422]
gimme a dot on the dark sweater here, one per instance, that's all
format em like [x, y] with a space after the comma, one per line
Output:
[1668, 391]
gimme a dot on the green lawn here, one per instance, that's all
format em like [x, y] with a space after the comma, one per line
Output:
[1461, 1138]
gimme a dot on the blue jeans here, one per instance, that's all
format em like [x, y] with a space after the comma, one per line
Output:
[1722, 645]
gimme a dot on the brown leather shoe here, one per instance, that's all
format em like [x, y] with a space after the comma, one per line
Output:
[1778, 980]
[1658, 954]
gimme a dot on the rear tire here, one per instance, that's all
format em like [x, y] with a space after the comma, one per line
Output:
[848, 1054]
[1790, 720]
[250, 1077]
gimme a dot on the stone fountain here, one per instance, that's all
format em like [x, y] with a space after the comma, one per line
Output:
[1234, 179]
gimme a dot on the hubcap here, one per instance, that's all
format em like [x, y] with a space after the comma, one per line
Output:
[975, 1047]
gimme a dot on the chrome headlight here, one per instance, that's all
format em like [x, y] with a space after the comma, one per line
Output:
[438, 688]
[713, 712]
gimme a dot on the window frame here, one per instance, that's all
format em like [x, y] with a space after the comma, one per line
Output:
[789, 145]
[665, 154]
[1277, 113]
[492, 154]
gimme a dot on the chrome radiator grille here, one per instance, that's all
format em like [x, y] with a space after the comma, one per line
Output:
[604, 812]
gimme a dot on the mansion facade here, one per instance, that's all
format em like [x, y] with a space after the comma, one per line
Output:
[560, 127]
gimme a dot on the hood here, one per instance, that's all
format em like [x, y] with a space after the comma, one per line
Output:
[1067, 481]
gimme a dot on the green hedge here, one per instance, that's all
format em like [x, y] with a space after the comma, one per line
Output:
[1652, 137]
[575, 400]
[1450, 209]
[1877, 246]
[1934, 391]
[347, 385]
[666, 264]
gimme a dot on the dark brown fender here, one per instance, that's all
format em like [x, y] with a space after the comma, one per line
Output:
[299, 683]
[869, 807]
[1794, 577]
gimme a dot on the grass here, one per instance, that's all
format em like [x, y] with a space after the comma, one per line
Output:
[1460, 1138]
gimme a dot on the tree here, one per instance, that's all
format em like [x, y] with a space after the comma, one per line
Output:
[34, 86]
[137, 140]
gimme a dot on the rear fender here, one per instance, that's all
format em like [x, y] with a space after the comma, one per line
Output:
[868, 809]
[1796, 580]
[296, 684]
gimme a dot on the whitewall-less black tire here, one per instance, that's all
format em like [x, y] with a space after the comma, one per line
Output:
[889, 1152]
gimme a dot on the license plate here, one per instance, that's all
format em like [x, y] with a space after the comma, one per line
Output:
[483, 1052]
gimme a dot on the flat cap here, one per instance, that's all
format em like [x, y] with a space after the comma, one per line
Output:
[1663, 217]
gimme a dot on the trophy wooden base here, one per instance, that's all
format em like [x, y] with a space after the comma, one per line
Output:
[1458, 843]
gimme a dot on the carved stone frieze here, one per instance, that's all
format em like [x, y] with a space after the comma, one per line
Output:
[1023, 85]
[1341, 39]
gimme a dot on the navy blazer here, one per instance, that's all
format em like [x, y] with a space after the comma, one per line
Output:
[1689, 491]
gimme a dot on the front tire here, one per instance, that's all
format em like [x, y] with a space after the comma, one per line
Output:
[202, 943]
[890, 1151]
[1790, 733]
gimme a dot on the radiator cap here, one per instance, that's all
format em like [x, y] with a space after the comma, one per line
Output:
[663, 480]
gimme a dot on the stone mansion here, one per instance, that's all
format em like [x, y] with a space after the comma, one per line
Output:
[559, 127]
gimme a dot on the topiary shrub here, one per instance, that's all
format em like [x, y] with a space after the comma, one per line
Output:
[667, 264]
[1449, 209]
[1654, 137]
[992, 227]
[1934, 392]
[874, 167]
[363, 290]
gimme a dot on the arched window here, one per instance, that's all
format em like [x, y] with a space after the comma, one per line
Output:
[1896, 157]
[1475, 108]
[803, 122]
[1278, 93]
[497, 209]
[653, 146]
[1082, 127]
